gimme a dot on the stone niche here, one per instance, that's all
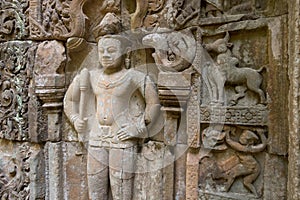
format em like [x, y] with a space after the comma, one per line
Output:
[203, 105]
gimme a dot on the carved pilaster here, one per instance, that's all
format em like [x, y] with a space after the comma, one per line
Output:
[174, 91]
[192, 176]
[50, 87]
[50, 83]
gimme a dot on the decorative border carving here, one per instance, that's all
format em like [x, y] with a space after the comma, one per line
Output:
[235, 115]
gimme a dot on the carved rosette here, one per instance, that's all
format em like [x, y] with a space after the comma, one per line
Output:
[234, 115]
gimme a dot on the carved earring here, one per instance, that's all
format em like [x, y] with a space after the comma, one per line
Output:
[127, 61]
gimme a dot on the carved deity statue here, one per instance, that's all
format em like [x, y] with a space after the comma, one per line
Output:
[126, 102]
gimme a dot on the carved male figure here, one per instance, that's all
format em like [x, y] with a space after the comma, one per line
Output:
[126, 103]
[248, 167]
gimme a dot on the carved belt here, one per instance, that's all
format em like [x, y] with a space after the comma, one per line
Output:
[105, 137]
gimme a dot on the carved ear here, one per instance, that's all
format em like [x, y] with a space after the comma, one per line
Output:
[227, 37]
[128, 51]
[127, 58]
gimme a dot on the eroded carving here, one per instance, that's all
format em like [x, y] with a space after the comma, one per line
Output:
[174, 51]
[13, 21]
[14, 176]
[112, 6]
[213, 8]
[49, 73]
[221, 8]
[147, 14]
[184, 11]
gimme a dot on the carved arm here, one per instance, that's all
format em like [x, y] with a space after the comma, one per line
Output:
[245, 148]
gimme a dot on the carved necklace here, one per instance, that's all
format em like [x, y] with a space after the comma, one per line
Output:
[104, 82]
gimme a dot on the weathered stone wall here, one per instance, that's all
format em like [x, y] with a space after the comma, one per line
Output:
[44, 44]
[293, 50]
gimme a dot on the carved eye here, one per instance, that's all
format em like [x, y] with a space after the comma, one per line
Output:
[111, 50]
[101, 50]
[178, 3]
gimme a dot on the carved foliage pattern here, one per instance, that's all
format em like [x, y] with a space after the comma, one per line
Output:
[15, 67]
[14, 176]
[13, 20]
[53, 18]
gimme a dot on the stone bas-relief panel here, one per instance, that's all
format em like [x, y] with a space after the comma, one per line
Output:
[237, 74]
[232, 162]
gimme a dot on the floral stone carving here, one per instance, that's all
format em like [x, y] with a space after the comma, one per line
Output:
[14, 176]
[13, 19]
[56, 19]
[16, 68]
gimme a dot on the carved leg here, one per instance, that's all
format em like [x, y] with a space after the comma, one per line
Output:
[235, 172]
[214, 86]
[229, 183]
[248, 180]
[220, 79]
[121, 188]
[209, 83]
[97, 172]
[254, 85]
[121, 169]
[262, 96]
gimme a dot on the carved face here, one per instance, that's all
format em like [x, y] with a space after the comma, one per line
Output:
[110, 53]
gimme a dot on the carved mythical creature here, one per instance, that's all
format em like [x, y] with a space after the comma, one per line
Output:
[225, 70]
[174, 51]
[213, 139]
